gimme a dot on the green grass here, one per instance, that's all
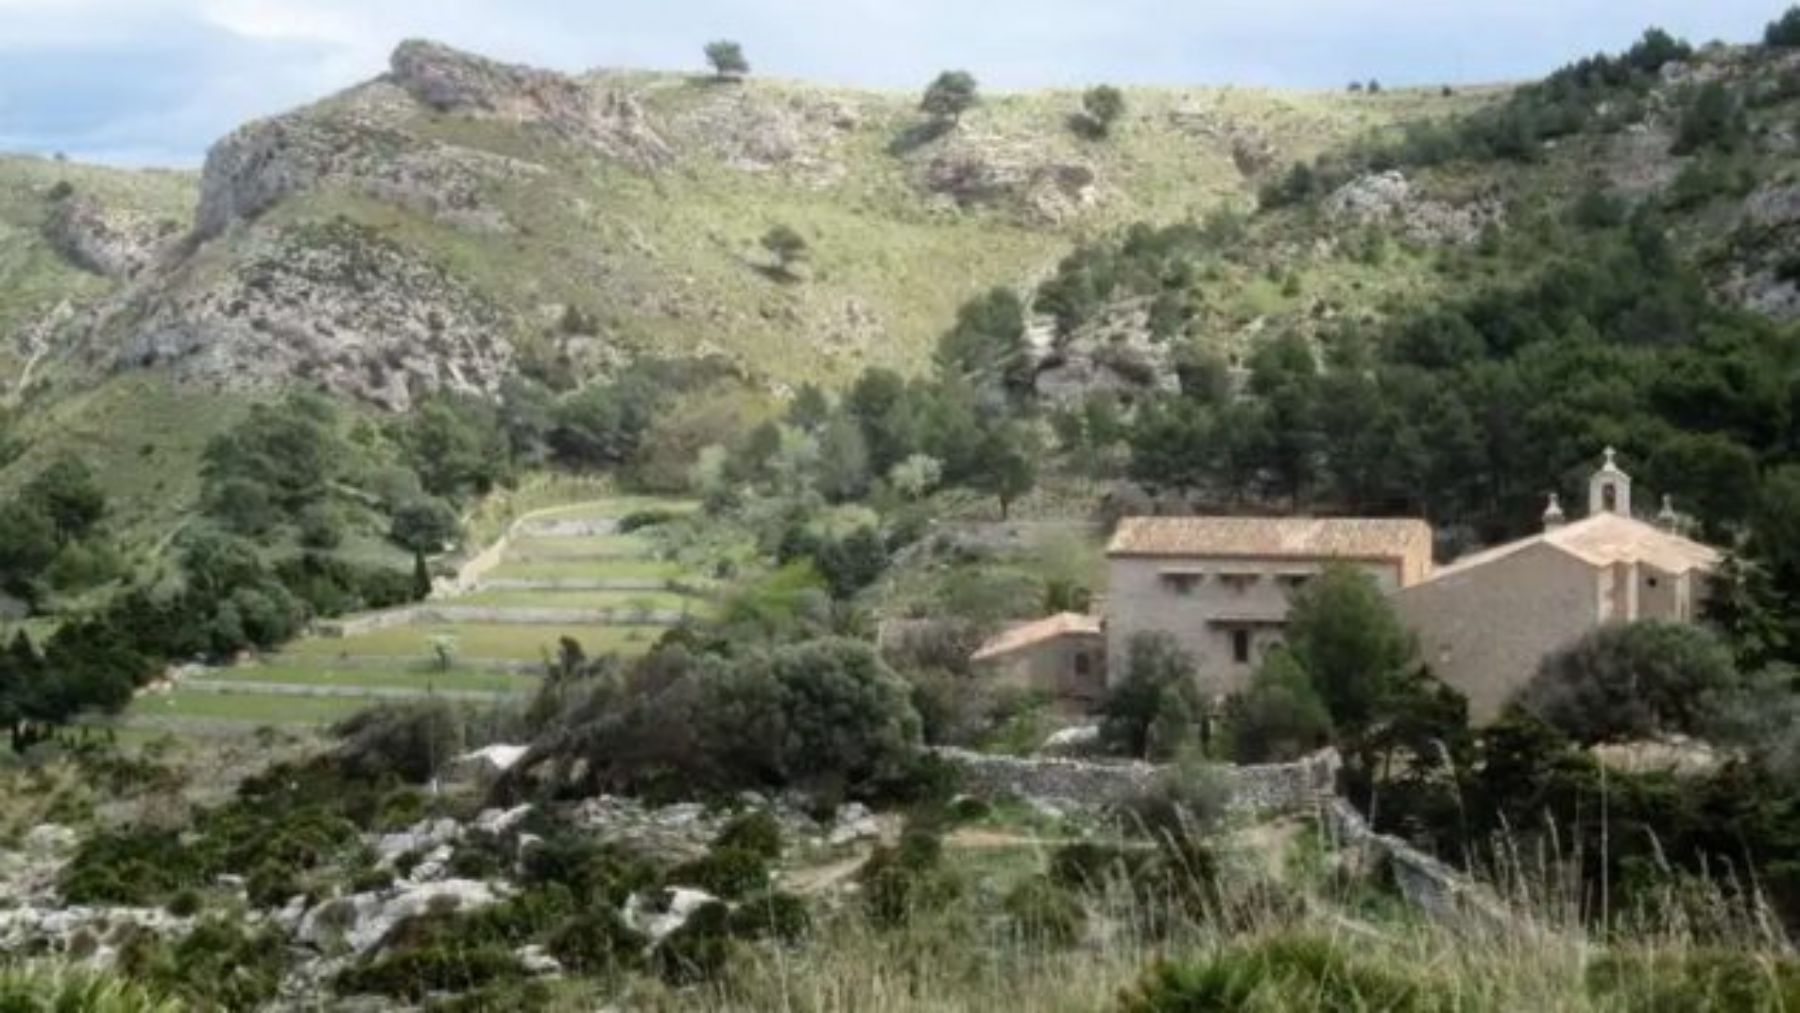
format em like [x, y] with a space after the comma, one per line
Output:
[419, 677]
[252, 708]
[659, 601]
[475, 640]
[588, 569]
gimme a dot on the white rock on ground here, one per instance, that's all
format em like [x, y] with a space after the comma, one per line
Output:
[645, 915]
[499, 821]
[854, 823]
[364, 920]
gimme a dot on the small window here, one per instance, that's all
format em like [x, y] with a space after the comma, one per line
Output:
[1240, 646]
[1609, 498]
[1083, 664]
[1181, 583]
[1652, 581]
[1295, 581]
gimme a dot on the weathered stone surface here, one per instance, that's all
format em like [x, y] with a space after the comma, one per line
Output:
[333, 303]
[109, 242]
[972, 172]
[362, 921]
[1388, 198]
[658, 914]
[449, 80]
[1278, 787]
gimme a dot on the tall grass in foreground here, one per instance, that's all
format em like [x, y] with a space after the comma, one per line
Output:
[54, 988]
[1265, 944]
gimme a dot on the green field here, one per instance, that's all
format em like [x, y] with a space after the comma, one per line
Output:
[658, 601]
[253, 708]
[417, 677]
[588, 569]
[496, 641]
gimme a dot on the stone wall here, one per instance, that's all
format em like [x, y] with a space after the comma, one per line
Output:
[433, 614]
[1276, 787]
[1433, 887]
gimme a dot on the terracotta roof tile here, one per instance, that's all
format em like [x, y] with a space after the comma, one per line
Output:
[1030, 634]
[1403, 541]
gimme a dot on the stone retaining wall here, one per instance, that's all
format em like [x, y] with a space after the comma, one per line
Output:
[579, 584]
[429, 613]
[1276, 787]
[1443, 893]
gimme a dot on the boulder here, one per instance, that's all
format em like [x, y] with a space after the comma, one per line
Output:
[363, 921]
[657, 914]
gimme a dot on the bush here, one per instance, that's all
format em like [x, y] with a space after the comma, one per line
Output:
[698, 949]
[592, 872]
[757, 832]
[407, 740]
[1279, 717]
[640, 519]
[597, 942]
[906, 878]
[321, 526]
[771, 915]
[1635, 681]
[1044, 912]
[414, 974]
[724, 872]
[1290, 973]
[186, 904]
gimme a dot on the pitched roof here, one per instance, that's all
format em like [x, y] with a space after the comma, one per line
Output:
[1033, 633]
[1602, 540]
[1401, 540]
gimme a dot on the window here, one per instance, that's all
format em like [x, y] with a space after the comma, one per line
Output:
[1181, 583]
[1609, 498]
[1239, 582]
[1240, 646]
[1652, 581]
[1084, 665]
[1295, 581]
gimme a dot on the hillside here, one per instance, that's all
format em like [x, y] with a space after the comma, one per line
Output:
[457, 219]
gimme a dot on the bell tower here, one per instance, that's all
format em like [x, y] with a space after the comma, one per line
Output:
[1609, 490]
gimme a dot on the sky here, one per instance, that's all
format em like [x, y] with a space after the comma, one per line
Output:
[155, 82]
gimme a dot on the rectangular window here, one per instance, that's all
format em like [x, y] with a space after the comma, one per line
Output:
[1240, 646]
[1181, 583]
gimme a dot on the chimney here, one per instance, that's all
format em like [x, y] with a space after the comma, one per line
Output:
[1553, 514]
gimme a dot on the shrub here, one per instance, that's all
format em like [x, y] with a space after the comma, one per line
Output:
[1289, 973]
[757, 832]
[1045, 912]
[698, 949]
[186, 904]
[637, 520]
[724, 872]
[321, 526]
[1633, 681]
[1279, 717]
[414, 974]
[771, 915]
[1155, 664]
[906, 878]
[596, 942]
[1085, 865]
[592, 872]
[221, 964]
[408, 740]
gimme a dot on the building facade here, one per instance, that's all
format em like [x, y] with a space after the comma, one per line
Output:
[1222, 586]
[1486, 621]
[1063, 657]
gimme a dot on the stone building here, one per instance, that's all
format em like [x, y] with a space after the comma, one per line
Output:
[1485, 621]
[1221, 586]
[1063, 656]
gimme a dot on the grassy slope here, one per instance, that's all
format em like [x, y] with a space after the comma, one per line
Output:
[669, 262]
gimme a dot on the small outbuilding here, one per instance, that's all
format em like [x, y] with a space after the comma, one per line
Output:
[1063, 656]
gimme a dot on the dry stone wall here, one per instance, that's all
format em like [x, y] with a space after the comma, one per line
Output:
[1268, 788]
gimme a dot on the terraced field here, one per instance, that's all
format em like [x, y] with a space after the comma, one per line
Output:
[558, 566]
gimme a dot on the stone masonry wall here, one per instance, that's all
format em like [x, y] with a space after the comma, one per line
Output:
[1276, 787]
[427, 614]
